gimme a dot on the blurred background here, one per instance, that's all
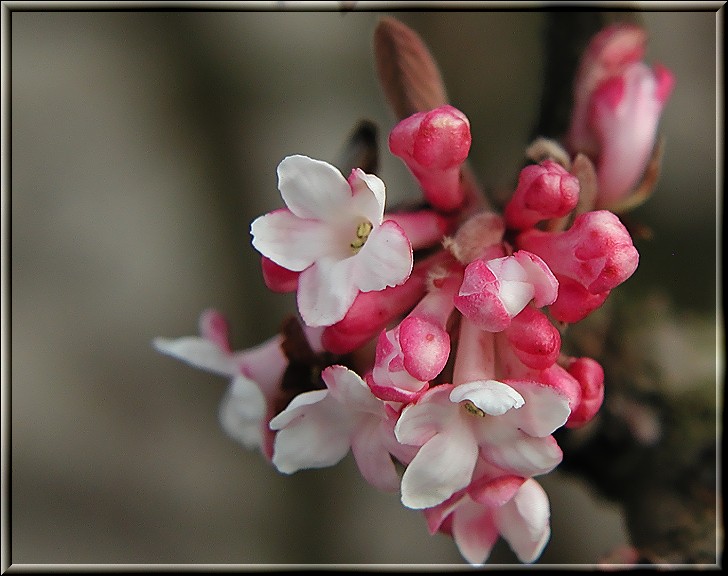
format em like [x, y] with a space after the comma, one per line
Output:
[143, 145]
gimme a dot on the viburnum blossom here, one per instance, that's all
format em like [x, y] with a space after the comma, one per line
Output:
[332, 232]
[618, 101]
[431, 346]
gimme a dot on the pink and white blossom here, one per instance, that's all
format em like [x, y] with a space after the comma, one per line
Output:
[510, 506]
[617, 108]
[318, 428]
[453, 425]
[333, 232]
[415, 351]
[255, 376]
[494, 291]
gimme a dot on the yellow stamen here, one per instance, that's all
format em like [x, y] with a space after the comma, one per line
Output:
[473, 409]
[362, 233]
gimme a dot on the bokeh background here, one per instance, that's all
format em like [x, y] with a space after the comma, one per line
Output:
[142, 146]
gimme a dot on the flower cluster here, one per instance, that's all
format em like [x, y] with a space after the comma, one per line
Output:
[429, 341]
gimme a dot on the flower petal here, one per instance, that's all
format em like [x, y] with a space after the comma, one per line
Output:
[544, 411]
[312, 188]
[474, 531]
[369, 196]
[524, 521]
[372, 457]
[241, 412]
[523, 454]
[492, 397]
[442, 466]
[199, 353]
[317, 436]
[292, 242]
[326, 291]
[384, 260]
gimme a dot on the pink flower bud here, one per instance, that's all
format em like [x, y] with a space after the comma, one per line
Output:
[423, 228]
[624, 114]
[277, 278]
[534, 339]
[544, 191]
[596, 252]
[433, 145]
[372, 311]
[495, 291]
[417, 349]
[618, 101]
[590, 375]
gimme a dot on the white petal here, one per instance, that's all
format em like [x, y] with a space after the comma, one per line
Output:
[318, 437]
[385, 259]
[524, 521]
[491, 396]
[198, 352]
[296, 407]
[421, 421]
[544, 411]
[524, 455]
[442, 466]
[241, 412]
[347, 387]
[292, 242]
[369, 196]
[326, 291]
[313, 188]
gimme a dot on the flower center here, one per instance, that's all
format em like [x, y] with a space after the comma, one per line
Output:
[473, 409]
[362, 233]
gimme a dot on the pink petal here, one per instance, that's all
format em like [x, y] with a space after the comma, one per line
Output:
[384, 260]
[326, 291]
[372, 457]
[312, 188]
[524, 521]
[350, 390]
[474, 531]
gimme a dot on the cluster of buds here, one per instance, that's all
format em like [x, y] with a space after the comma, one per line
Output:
[429, 341]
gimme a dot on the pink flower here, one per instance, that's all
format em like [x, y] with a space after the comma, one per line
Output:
[255, 376]
[618, 103]
[589, 259]
[494, 291]
[544, 191]
[434, 145]
[416, 350]
[333, 232]
[318, 428]
[509, 506]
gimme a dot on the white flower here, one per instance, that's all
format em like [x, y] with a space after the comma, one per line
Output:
[318, 428]
[333, 232]
[509, 425]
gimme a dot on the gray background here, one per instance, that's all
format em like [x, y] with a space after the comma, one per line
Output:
[143, 144]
